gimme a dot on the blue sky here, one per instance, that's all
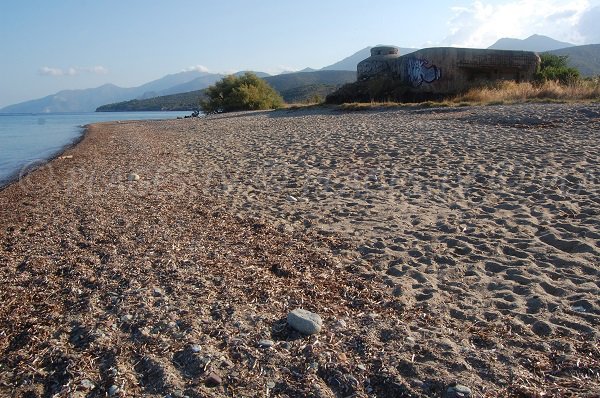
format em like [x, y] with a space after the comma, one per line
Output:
[48, 46]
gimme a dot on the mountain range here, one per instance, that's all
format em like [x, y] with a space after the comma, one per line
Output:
[537, 43]
[293, 85]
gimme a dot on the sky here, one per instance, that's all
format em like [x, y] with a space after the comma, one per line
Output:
[48, 46]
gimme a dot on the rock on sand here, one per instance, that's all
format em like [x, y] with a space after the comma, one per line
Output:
[305, 321]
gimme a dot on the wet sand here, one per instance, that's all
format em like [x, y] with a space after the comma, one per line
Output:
[438, 245]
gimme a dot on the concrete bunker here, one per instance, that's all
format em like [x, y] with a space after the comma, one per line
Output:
[448, 70]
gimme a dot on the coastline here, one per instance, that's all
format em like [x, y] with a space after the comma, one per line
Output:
[77, 123]
[17, 175]
[438, 246]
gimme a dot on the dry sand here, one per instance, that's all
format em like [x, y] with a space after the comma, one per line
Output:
[439, 246]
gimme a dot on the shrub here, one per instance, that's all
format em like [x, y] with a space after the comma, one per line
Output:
[555, 68]
[240, 93]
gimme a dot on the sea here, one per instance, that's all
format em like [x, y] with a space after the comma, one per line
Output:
[28, 140]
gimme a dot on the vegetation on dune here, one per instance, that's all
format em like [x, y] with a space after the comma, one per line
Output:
[240, 93]
[556, 68]
[549, 90]
[506, 92]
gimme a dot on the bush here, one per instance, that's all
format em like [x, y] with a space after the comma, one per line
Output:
[240, 93]
[556, 68]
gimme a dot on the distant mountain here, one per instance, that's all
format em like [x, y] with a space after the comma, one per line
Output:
[585, 58]
[157, 87]
[73, 100]
[196, 84]
[259, 74]
[537, 43]
[349, 63]
[87, 100]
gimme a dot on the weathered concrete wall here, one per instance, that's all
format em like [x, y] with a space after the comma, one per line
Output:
[446, 70]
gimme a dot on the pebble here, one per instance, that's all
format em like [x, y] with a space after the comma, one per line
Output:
[126, 318]
[133, 177]
[113, 390]
[340, 324]
[292, 199]
[87, 384]
[305, 321]
[213, 380]
[458, 391]
[270, 385]
[157, 292]
[265, 343]
[361, 366]
[196, 348]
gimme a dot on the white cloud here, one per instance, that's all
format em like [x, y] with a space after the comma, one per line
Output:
[281, 69]
[97, 70]
[481, 23]
[47, 71]
[72, 71]
[196, 68]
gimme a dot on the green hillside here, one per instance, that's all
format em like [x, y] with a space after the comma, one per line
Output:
[174, 102]
[288, 81]
[585, 58]
[308, 93]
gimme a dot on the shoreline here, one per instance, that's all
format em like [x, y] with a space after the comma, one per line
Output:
[438, 247]
[17, 176]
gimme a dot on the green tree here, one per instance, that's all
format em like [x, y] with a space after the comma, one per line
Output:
[240, 93]
[555, 67]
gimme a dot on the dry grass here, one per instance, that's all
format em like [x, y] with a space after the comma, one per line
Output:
[362, 106]
[507, 92]
[511, 92]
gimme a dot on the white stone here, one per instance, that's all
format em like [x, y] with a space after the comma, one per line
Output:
[305, 321]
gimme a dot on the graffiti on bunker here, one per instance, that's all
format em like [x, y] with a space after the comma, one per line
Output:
[420, 71]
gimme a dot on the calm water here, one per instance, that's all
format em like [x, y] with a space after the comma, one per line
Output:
[28, 139]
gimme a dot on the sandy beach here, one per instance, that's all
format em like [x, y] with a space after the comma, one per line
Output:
[439, 246]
